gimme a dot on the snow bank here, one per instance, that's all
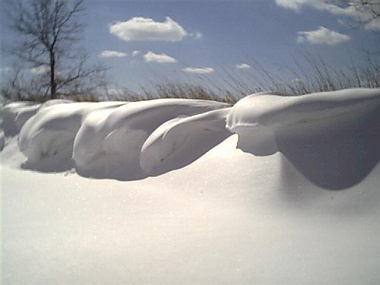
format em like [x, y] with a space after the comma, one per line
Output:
[321, 134]
[102, 139]
[14, 116]
[331, 137]
[109, 143]
[53, 128]
[181, 140]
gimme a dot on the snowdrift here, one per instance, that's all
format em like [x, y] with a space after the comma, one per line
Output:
[332, 138]
[14, 116]
[210, 193]
[104, 140]
[180, 141]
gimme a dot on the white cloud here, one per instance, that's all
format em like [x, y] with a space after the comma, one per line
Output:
[354, 9]
[39, 70]
[358, 12]
[327, 5]
[197, 35]
[373, 25]
[145, 29]
[135, 53]
[202, 70]
[243, 66]
[322, 36]
[112, 53]
[159, 58]
[292, 4]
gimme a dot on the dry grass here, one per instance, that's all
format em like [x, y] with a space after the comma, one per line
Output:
[313, 75]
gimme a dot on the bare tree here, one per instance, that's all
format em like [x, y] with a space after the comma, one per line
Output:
[50, 31]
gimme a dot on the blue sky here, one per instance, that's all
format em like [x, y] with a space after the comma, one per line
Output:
[145, 42]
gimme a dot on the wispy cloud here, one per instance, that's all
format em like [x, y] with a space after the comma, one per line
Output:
[146, 29]
[135, 53]
[159, 58]
[292, 4]
[373, 24]
[358, 11]
[322, 36]
[243, 66]
[39, 70]
[112, 53]
[199, 70]
[327, 5]
[197, 35]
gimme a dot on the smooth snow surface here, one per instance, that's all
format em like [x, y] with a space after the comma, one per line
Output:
[332, 138]
[108, 144]
[182, 203]
[14, 116]
[182, 140]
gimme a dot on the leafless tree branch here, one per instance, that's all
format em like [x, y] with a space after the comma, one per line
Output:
[49, 31]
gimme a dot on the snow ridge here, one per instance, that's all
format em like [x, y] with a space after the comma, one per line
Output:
[130, 140]
[332, 138]
[105, 140]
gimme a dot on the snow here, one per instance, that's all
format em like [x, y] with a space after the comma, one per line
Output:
[181, 140]
[108, 144]
[186, 204]
[14, 116]
[53, 128]
[261, 116]
[332, 138]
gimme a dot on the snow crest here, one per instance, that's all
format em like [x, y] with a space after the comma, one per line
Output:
[14, 116]
[53, 128]
[332, 137]
[181, 140]
[256, 118]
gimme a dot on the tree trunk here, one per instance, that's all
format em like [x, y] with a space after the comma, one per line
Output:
[53, 84]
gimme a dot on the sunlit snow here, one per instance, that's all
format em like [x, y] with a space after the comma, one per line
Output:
[272, 190]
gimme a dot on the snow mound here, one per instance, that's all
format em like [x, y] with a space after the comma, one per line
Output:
[179, 140]
[14, 116]
[331, 137]
[53, 128]
[102, 140]
[108, 144]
